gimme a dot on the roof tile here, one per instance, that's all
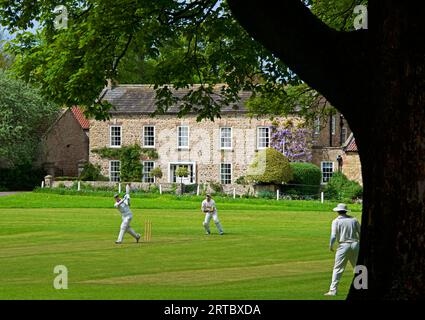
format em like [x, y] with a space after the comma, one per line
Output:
[82, 120]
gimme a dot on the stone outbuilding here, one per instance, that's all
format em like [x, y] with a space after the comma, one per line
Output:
[65, 145]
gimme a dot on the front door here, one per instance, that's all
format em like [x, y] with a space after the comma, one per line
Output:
[185, 180]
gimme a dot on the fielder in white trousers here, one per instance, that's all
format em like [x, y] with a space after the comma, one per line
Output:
[208, 206]
[123, 205]
[345, 230]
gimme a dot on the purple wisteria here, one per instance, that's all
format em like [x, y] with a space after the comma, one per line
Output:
[294, 142]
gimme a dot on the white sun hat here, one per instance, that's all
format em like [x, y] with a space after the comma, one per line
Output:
[341, 207]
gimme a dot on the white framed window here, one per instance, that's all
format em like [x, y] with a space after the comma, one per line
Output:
[263, 137]
[226, 138]
[149, 136]
[327, 168]
[183, 137]
[333, 124]
[115, 139]
[226, 173]
[147, 168]
[316, 125]
[114, 170]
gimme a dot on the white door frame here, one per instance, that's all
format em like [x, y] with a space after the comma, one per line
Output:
[170, 178]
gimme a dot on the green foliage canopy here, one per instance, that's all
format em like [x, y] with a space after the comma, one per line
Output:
[190, 42]
[170, 44]
[24, 117]
[156, 173]
[182, 171]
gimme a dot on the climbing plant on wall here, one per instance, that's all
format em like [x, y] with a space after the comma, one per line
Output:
[130, 158]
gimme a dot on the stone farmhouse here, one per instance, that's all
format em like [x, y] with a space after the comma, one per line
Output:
[218, 151]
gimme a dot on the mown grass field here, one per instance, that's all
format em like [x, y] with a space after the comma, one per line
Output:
[271, 250]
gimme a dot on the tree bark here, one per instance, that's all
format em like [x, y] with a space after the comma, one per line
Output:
[376, 78]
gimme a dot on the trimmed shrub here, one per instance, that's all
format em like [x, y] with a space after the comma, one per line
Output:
[340, 188]
[306, 179]
[305, 173]
[156, 173]
[270, 167]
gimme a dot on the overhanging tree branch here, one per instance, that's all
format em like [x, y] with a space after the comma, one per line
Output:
[309, 47]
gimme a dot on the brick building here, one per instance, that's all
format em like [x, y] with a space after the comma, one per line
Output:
[65, 145]
[334, 148]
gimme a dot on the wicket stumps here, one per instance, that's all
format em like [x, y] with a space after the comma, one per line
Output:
[148, 230]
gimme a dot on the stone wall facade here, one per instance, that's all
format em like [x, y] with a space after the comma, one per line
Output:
[204, 152]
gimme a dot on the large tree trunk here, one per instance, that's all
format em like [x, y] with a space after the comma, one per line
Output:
[376, 78]
[391, 140]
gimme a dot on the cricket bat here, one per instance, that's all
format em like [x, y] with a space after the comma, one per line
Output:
[127, 194]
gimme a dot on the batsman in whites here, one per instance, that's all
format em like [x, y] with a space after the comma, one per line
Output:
[123, 205]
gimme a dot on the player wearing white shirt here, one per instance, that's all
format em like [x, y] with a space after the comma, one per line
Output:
[123, 205]
[345, 230]
[208, 206]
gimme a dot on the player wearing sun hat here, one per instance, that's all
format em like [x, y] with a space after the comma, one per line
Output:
[345, 230]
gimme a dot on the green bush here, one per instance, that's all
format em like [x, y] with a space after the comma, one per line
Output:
[306, 179]
[21, 177]
[191, 188]
[270, 167]
[241, 180]
[341, 188]
[216, 187]
[306, 173]
[153, 188]
[91, 172]
[266, 195]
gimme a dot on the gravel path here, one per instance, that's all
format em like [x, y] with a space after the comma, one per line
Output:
[7, 193]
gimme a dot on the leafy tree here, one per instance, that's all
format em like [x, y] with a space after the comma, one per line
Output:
[24, 117]
[269, 167]
[191, 42]
[182, 172]
[5, 59]
[156, 173]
